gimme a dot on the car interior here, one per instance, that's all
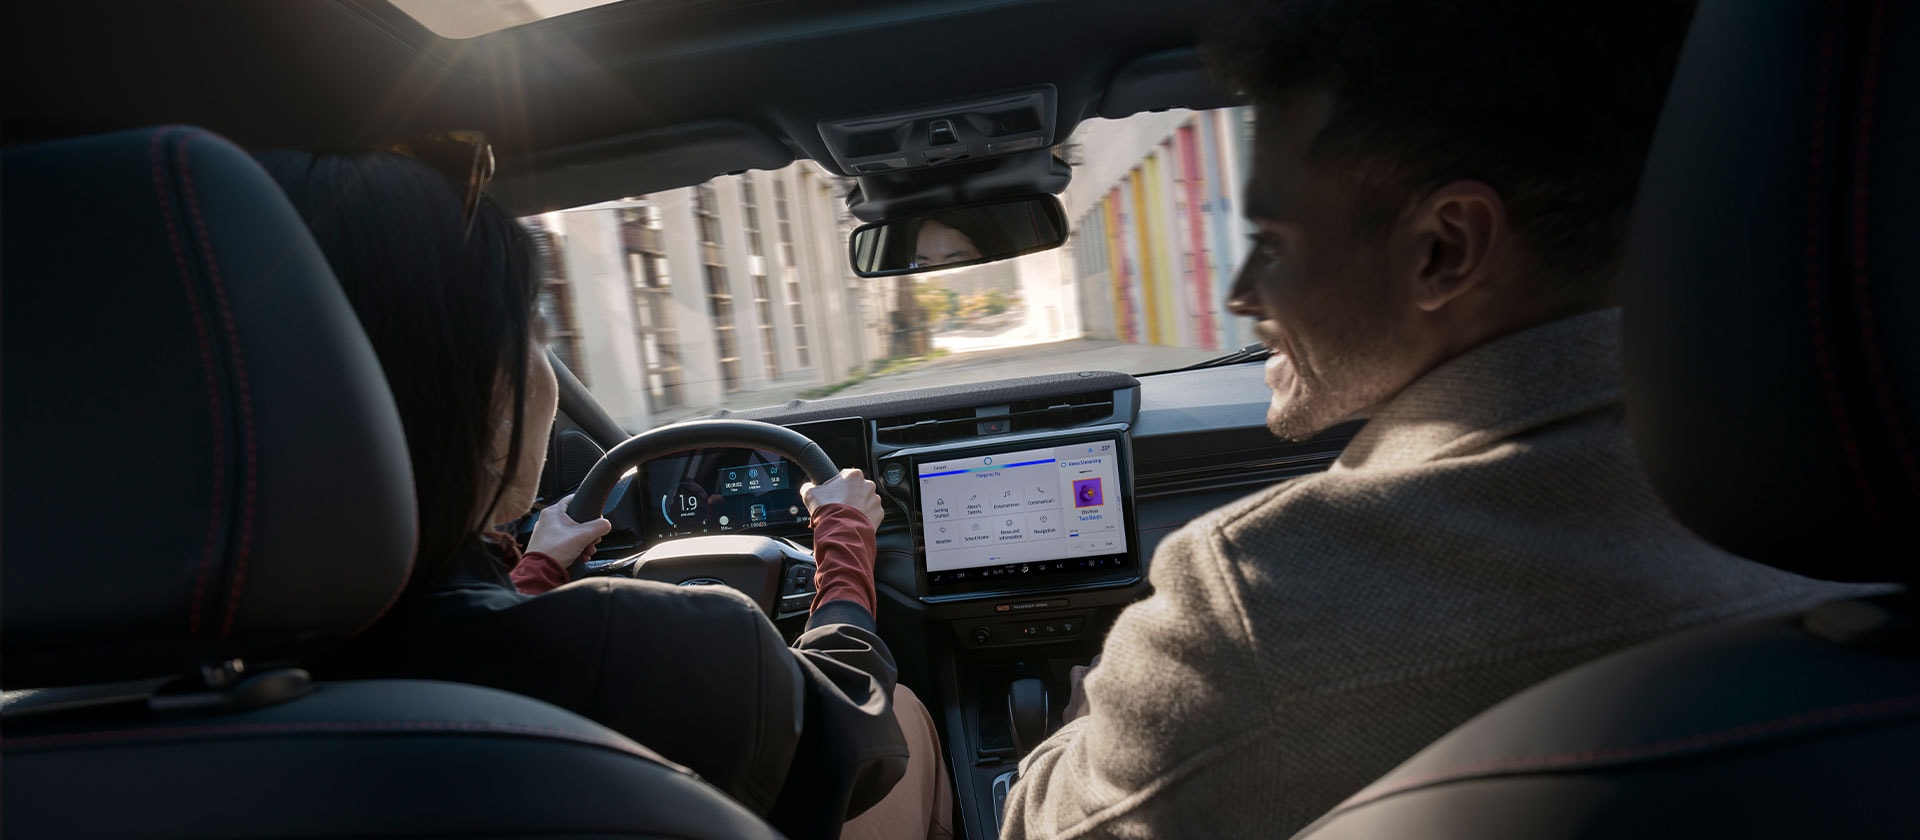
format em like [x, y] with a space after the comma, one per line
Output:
[134, 668]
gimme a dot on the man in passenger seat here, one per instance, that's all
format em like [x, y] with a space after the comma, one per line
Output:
[1439, 193]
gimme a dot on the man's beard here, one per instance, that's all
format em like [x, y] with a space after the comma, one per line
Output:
[1360, 373]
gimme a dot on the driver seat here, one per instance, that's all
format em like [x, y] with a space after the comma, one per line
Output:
[1772, 341]
[207, 482]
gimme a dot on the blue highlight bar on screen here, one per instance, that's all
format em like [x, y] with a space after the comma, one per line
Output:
[989, 467]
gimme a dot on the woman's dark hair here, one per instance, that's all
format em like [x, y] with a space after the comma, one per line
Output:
[1552, 103]
[450, 317]
[979, 225]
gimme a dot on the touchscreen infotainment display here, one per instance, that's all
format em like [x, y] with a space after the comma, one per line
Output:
[1018, 513]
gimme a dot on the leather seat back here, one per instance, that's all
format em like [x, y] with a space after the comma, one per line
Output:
[207, 482]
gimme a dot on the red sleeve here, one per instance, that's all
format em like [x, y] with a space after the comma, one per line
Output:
[843, 552]
[537, 573]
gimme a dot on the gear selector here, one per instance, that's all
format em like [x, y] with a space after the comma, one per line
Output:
[1027, 711]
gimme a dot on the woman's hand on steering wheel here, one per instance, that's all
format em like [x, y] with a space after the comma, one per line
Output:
[850, 488]
[556, 535]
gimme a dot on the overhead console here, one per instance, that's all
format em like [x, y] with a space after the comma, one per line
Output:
[1025, 513]
[947, 133]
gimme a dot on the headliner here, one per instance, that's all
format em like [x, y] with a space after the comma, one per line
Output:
[627, 98]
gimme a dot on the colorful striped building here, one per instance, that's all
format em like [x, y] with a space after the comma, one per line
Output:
[1157, 237]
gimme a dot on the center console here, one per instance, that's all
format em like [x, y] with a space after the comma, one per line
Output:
[1025, 550]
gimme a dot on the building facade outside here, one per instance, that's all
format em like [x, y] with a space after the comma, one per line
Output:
[737, 293]
[732, 293]
[1157, 236]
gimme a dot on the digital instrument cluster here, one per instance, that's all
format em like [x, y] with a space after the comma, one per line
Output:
[726, 490]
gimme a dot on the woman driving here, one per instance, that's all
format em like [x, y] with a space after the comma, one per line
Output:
[805, 735]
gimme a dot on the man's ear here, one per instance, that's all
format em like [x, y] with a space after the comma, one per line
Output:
[1458, 229]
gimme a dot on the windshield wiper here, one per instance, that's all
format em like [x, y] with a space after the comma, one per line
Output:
[1254, 352]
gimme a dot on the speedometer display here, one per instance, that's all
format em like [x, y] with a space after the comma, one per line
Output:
[728, 491]
[718, 491]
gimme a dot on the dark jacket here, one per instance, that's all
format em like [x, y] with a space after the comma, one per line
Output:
[804, 735]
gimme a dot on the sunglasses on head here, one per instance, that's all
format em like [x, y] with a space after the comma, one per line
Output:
[463, 157]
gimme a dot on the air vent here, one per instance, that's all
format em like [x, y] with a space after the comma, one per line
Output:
[1061, 412]
[926, 428]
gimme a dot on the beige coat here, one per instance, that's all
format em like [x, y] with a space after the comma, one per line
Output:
[1488, 528]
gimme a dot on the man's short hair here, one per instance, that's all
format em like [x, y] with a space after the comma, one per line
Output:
[1552, 103]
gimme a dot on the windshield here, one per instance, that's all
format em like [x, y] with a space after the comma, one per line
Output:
[736, 293]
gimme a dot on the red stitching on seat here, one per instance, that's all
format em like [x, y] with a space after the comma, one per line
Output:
[325, 727]
[206, 364]
[240, 377]
[1602, 756]
[1816, 188]
[1869, 336]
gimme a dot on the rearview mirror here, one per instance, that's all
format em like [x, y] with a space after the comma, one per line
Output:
[961, 236]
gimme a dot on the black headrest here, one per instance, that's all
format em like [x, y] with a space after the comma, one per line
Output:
[1772, 319]
[202, 462]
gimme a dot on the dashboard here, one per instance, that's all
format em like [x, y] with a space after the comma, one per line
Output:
[1021, 517]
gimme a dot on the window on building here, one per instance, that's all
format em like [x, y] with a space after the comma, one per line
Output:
[763, 308]
[796, 310]
[652, 286]
[719, 297]
[757, 264]
[707, 214]
[556, 299]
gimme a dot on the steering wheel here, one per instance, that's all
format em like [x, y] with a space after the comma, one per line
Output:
[758, 566]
